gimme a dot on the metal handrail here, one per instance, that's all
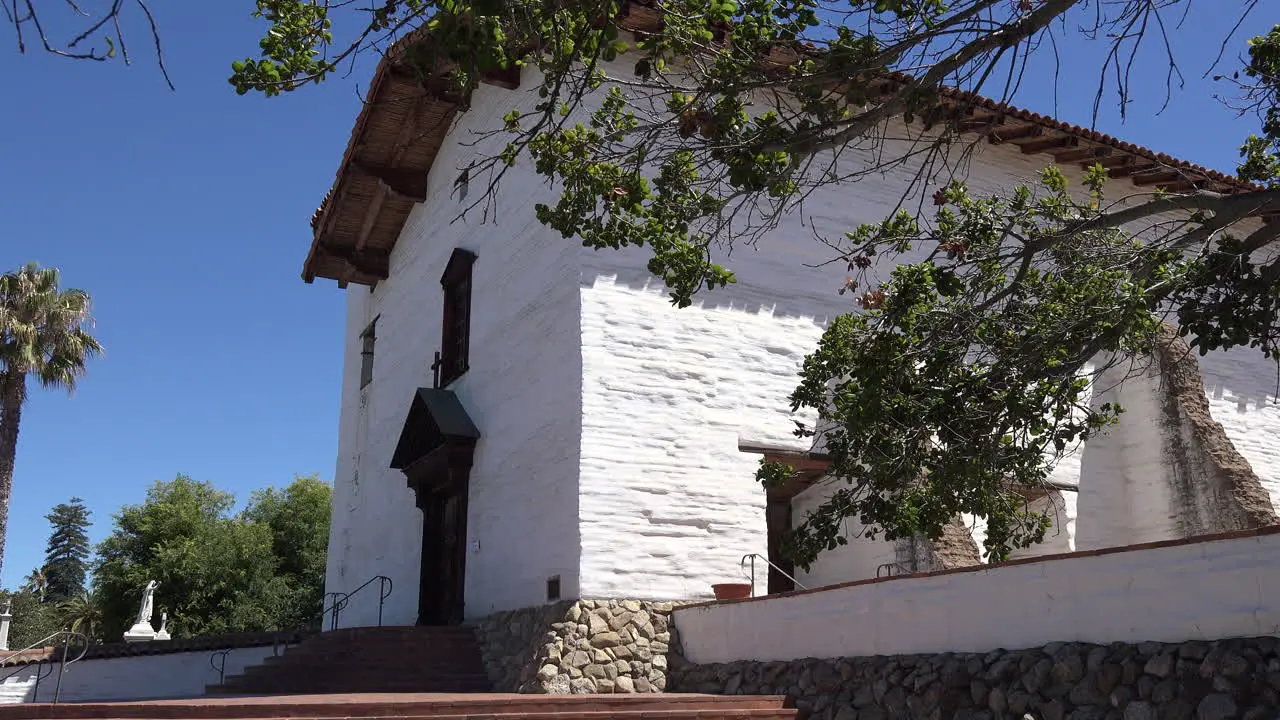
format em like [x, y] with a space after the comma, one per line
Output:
[220, 668]
[339, 598]
[385, 586]
[63, 662]
[890, 569]
[752, 557]
[332, 610]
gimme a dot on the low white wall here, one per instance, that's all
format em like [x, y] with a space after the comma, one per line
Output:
[1169, 592]
[141, 677]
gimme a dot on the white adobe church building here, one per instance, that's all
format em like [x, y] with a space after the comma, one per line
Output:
[524, 419]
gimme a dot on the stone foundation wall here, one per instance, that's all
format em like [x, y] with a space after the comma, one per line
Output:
[1237, 678]
[581, 646]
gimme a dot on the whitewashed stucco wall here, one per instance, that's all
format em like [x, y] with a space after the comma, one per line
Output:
[861, 558]
[522, 391]
[143, 677]
[1242, 388]
[612, 419]
[669, 392]
[1194, 591]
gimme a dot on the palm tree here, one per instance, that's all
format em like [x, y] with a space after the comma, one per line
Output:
[82, 613]
[44, 334]
[36, 583]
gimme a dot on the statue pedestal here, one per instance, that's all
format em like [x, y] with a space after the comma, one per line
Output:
[142, 632]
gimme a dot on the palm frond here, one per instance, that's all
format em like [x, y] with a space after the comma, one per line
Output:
[45, 333]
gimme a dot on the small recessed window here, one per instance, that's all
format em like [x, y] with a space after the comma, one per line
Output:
[366, 353]
[455, 339]
[553, 588]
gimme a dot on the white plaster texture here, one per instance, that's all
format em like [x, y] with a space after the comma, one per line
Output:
[521, 390]
[1125, 494]
[1242, 389]
[1196, 591]
[861, 558]
[611, 419]
[140, 677]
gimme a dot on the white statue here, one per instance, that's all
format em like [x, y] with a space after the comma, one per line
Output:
[142, 630]
[5, 617]
[147, 609]
[163, 633]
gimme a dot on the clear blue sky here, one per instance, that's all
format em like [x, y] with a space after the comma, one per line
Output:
[185, 215]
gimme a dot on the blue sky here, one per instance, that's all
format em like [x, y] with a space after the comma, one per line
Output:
[185, 215]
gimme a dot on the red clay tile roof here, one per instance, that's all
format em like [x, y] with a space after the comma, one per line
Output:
[402, 125]
[164, 647]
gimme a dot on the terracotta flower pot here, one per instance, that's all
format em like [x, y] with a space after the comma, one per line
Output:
[732, 591]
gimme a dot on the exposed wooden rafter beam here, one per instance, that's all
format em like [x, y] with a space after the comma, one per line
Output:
[1133, 168]
[1156, 177]
[1014, 132]
[1091, 152]
[1109, 162]
[1181, 185]
[1039, 146]
[409, 183]
[371, 217]
[508, 78]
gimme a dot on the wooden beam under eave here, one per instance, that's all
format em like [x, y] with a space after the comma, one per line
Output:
[640, 18]
[508, 78]
[1039, 146]
[371, 262]
[1115, 160]
[1155, 178]
[1083, 153]
[984, 125]
[407, 182]
[1133, 169]
[371, 217]
[1007, 133]
[1180, 186]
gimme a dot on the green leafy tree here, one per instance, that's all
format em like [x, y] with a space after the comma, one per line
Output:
[44, 336]
[33, 620]
[67, 553]
[298, 517]
[954, 384]
[218, 572]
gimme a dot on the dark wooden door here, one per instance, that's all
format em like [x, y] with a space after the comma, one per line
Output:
[444, 546]
[778, 522]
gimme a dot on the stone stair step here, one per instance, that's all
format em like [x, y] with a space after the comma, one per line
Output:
[395, 705]
[476, 683]
[759, 714]
[371, 657]
[416, 670]
[385, 659]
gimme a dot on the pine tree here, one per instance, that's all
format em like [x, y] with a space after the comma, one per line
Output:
[67, 554]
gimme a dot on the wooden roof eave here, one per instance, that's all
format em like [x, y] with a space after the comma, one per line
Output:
[972, 114]
[399, 180]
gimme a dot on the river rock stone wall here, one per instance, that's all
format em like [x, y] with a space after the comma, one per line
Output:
[581, 646]
[1221, 680]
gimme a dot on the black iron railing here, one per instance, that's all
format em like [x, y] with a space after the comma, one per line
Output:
[341, 599]
[61, 641]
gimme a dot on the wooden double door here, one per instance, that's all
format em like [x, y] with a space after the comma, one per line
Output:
[444, 551]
